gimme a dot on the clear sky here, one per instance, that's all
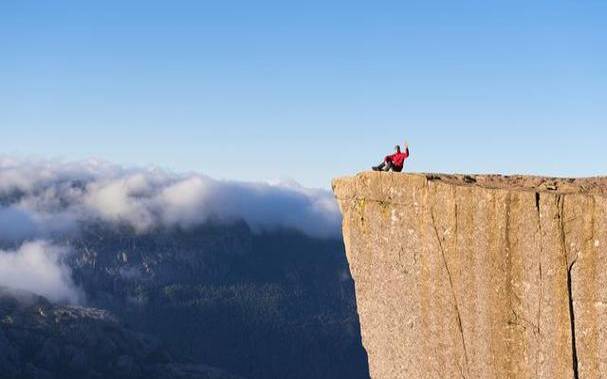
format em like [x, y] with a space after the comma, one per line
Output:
[259, 90]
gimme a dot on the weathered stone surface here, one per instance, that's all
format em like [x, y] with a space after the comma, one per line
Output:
[478, 276]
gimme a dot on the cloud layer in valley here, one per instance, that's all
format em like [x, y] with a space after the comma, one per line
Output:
[42, 199]
[39, 198]
[37, 267]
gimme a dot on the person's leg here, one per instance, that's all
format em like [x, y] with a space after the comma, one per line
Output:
[388, 166]
[379, 167]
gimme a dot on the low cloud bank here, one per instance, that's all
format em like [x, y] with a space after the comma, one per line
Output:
[40, 198]
[43, 199]
[37, 267]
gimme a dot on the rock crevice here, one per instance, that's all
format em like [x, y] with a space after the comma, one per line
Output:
[478, 276]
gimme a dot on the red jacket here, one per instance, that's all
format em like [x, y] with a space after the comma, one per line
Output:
[398, 159]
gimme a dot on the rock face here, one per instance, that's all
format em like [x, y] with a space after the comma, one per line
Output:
[478, 276]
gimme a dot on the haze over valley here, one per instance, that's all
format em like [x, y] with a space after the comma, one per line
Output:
[248, 279]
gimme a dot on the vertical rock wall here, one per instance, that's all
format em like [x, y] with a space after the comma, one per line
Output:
[478, 277]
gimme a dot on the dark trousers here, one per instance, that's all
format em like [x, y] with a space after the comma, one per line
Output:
[388, 166]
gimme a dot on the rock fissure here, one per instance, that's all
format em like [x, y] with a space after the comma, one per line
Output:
[570, 262]
[452, 288]
[576, 374]
[538, 325]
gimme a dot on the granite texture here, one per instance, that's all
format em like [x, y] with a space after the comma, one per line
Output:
[464, 276]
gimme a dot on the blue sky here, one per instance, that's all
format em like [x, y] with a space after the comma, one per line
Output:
[258, 90]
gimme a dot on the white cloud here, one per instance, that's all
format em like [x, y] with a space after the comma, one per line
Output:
[36, 267]
[44, 197]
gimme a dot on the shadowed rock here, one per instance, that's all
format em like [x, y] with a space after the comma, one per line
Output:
[42, 340]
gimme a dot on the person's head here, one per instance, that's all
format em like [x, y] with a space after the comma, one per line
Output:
[397, 148]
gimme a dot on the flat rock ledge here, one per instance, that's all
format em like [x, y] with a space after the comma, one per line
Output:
[478, 276]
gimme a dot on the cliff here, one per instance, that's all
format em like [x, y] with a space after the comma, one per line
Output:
[478, 276]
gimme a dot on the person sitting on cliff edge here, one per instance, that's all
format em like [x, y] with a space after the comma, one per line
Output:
[394, 162]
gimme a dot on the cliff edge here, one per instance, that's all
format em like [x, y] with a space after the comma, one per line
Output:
[478, 276]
